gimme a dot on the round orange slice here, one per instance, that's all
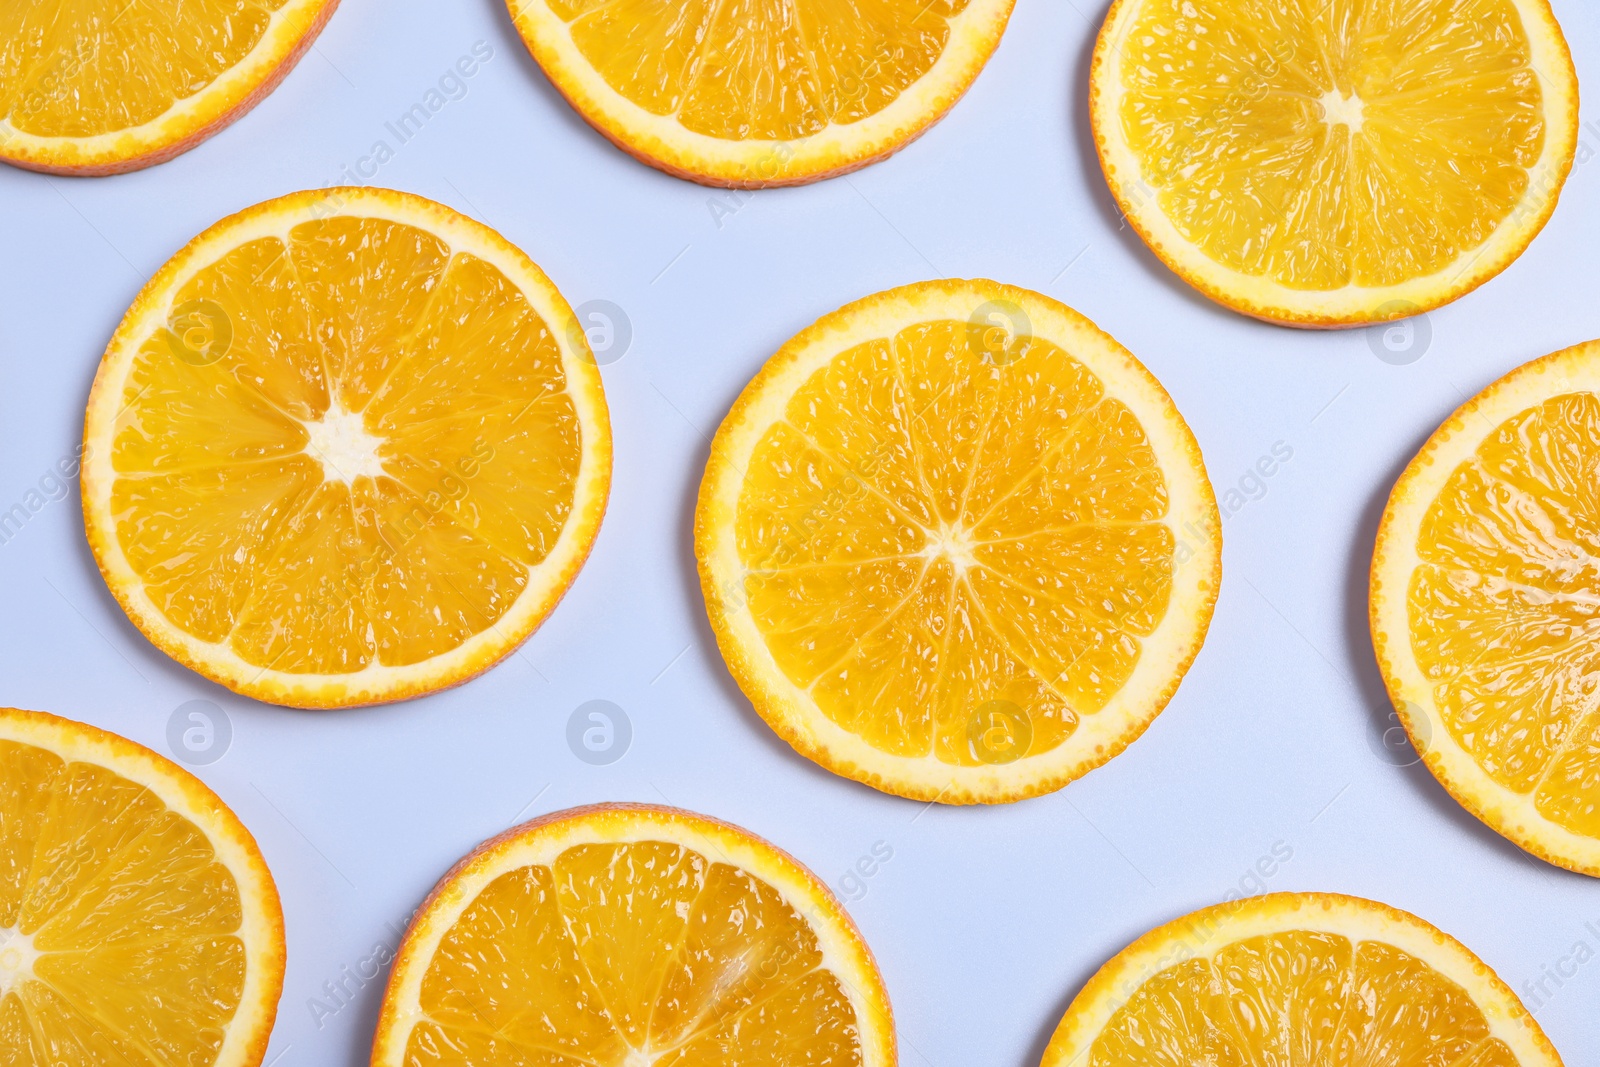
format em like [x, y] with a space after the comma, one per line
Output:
[139, 925]
[749, 93]
[957, 543]
[1298, 978]
[107, 88]
[1332, 164]
[347, 446]
[1485, 605]
[625, 935]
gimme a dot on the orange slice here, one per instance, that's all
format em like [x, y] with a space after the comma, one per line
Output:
[1486, 605]
[627, 935]
[89, 88]
[1297, 978]
[1334, 163]
[139, 925]
[347, 446]
[753, 93]
[957, 543]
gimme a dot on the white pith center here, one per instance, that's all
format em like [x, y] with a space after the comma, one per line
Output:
[638, 1058]
[953, 542]
[1338, 108]
[343, 445]
[16, 958]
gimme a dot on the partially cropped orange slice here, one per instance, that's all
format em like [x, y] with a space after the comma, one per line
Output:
[1335, 162]
[1486, 605]
[627, 936]
[100, 88]
[347, 446]
[753, 93]
[957, 543]
[138, 923]
[1297, 979]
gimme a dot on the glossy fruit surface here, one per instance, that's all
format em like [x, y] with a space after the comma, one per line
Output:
[750, 93]
[139, 925]
[347, 446]
[1485, 586]
[623, 935]
[957, 543]
[1333, 164]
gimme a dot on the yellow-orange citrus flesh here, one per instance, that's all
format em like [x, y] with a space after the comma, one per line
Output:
[139, 926]
[1486, 605]
[347, 446]
[1297, 978]
[624, 936]
[752, 93]
[92, 88]
[957, 543]
[1334, 163]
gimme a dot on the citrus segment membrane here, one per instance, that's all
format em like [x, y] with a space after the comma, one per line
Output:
[1297, 978]
[1503, 609]
[102, 88]
[125, 934]
[1485, 586]
[756, 92]
[908, 607]
[1367, 151]
[642, 939]
[352, 446]
[925, 555]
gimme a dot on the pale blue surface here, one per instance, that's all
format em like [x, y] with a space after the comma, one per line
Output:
[985, 921]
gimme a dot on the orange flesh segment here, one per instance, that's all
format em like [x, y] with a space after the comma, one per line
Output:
[72, 69]
[1299, 997]
[1504, 609]
[1274, 134]
[244, 533]
[928, 535]
[135, 921]
[618, 954]
[760, 69]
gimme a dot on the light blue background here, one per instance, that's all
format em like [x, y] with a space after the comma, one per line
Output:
[985, 921]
